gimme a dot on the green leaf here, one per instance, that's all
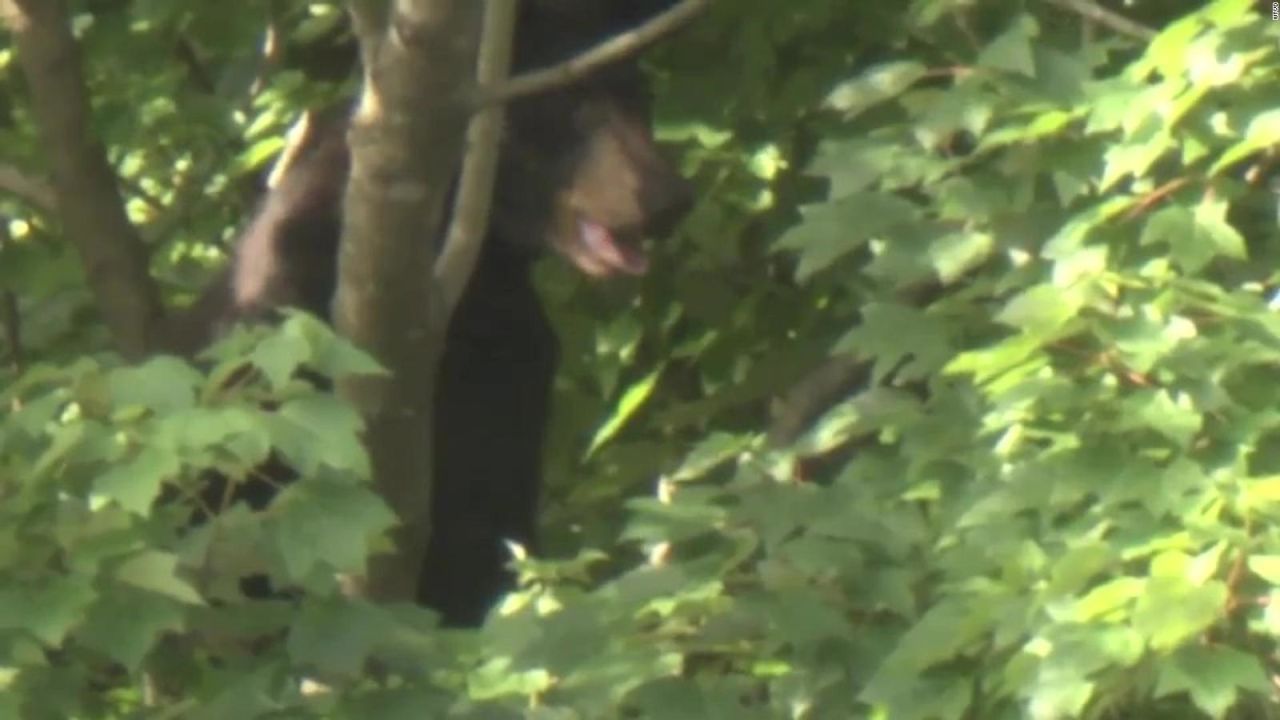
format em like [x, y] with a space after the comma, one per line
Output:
[247, 694]
[945, 630]
[1227, 14]
[829, 231]
[156, 571]
[1173, 611]
[1078, 230]
[955, 254]
[319, 429]
[1261, 492]
[1195, 236]
[628, 405]
[1213, 227]
[1011, 51]
[280, 355]
[331, 354]
[1263, 132]
[197, 429]
[136, 484]
[900, 338]
[1266, 567]
[875, 85]
[708, 454]
[335, 636]
[915, 697]
[1147, 340]
[1107, 598]
[1111, 103]
[1042, 126]
[1175, 418]
[1060, 693]
[260, 153]
[328, 526]
[1041, 309]
[162, 384]
[1169, 51]
[854, 165]
[1019, 355]
[47, 610]
[1078, 565]
[496, 678]
[126, 625]
[1136, 156]
[1213, 675]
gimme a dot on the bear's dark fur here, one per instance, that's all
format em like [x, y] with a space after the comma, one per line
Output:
[580, 173]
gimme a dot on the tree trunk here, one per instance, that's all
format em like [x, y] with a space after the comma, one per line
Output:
[406, 140]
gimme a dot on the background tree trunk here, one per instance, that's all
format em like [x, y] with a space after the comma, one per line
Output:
[84, 185]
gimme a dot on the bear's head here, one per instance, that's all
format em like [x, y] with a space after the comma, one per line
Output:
[580, 171]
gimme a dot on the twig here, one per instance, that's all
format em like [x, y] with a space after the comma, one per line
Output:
[11, 318]
[36, 191]
[814, 395]
[185, 50]
[269, 57]
[1108, 18]
[612, 50]
[11, 315]
[1155, 196]
[479, 165]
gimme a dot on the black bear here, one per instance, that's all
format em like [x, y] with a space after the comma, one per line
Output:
[580, 173]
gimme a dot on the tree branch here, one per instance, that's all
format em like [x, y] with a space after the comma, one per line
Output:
[36, 191]
[796, 410]
[612, 50]
[470, 221]
[84, 185]
[11, 314]
[1106, 18]
[11, 320]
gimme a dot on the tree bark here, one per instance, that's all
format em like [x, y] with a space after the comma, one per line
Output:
[85, 187]
[406, 138]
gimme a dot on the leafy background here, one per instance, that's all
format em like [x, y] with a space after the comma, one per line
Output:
[1037, 250]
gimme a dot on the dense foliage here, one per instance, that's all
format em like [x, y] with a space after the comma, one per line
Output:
[1037, 249]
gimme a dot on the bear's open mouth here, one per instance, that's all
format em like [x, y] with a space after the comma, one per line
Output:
[599, 252]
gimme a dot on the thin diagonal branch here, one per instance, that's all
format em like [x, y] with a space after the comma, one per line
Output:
[612, 50]
[1106, 18]
[36, 191]
[11, 315]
